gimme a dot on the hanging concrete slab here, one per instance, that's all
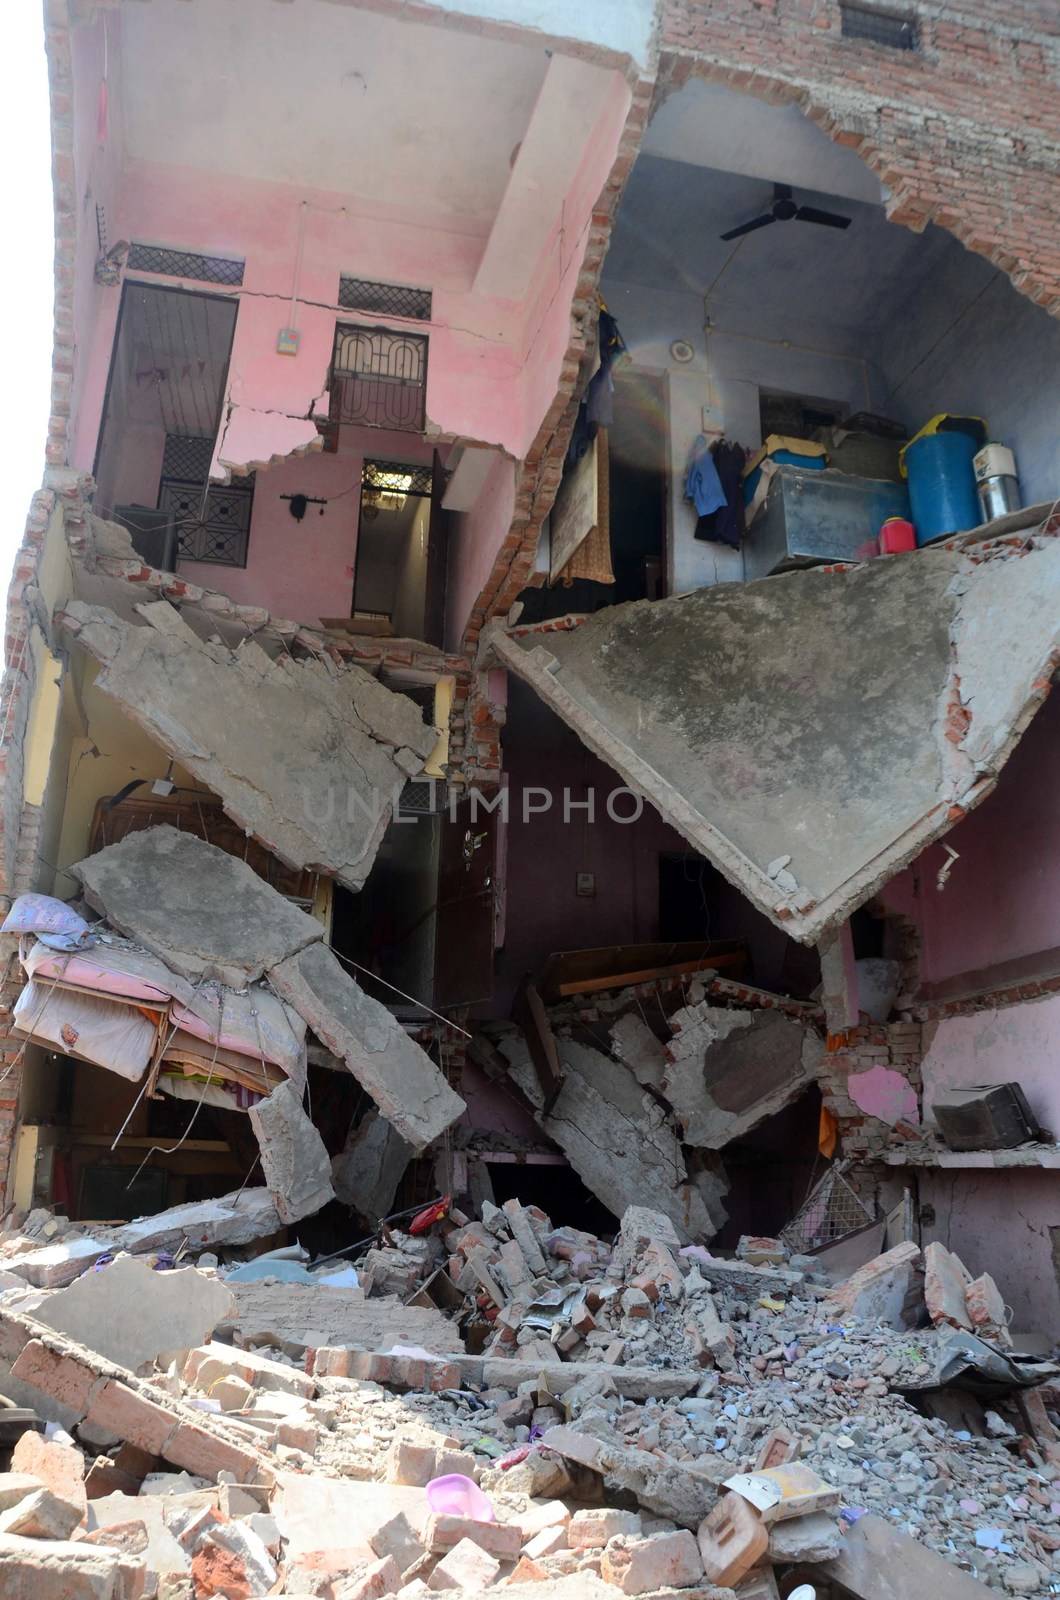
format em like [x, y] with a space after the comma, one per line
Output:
[401, 1078]
[306, 756]
[810, 733]
[294, 1158]
[203, 912]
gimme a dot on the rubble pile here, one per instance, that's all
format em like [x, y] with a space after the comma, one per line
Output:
[633, 1415]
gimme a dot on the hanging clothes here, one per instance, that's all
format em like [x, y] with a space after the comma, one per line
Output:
[726, 524]
[702, 483]
[600, 395]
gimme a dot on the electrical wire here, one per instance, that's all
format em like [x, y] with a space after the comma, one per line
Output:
[411, 998]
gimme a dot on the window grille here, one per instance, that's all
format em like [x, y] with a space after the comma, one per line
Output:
[424, 797]
[212, 520]
[184, 264]
[384, 299]
[379, 378]
[397, 477]
[888, 28]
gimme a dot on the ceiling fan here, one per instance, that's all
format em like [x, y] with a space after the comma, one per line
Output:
[785, 209]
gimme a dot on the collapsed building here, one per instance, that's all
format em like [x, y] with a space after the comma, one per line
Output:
[465, 732]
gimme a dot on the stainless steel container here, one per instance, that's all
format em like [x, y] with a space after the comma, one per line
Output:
[996, 481]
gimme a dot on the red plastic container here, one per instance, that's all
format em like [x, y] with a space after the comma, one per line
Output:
[897, 535]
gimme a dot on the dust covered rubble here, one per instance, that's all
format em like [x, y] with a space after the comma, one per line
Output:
[247, 1471]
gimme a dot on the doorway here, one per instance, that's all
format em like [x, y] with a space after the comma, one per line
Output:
[400, 550]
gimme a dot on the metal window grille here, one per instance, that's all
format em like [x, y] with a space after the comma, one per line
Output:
[831, 1210]
[212, 520]
[425, 797]
[379, 378]
[384, 299]
[185, 264]
[397, 477]
[888, 28]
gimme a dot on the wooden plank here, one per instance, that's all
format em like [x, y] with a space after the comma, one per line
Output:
[529, 1012]
[612, 962]
[576, 511]
[622, 980]
[882, 1563]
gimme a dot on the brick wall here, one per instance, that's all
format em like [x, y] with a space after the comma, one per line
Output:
[897, 1045]
[964, 131]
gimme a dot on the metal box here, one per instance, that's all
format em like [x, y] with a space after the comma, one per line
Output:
[810, 517]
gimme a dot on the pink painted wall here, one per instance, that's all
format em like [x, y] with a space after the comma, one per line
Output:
[1018, 1043]
[493, 366]
[1001, 1222]
[476, 537]
[1001, 901]
[304, 570]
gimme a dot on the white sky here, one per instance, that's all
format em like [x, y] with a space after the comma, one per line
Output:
[26, 270]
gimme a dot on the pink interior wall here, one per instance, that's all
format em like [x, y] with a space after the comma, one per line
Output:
[1001, 900]
[476, 538]
[1001, 1222]
[1018, 1043]
[304, 570]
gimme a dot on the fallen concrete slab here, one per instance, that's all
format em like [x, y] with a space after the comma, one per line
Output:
[500, 1372]
[295, 1317]
[790, 780]
[231, 1219]
[879, 1562]
[727, 1071]
[307, 757]
[369, 1168]
[204, 912]
[401, 1078]
[294, 1158]
[615, 1136]
[131, 1314]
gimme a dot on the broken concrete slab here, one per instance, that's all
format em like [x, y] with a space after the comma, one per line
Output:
[886, 1289]
[692, 700]
[634, 1044]
[131, 1314]
[294, 1158]
[232, 1219]
[296, 1317]
[369, 1168]
[614, 1134]
[401, 1078]
[727, 1071]
[204, 912]
[60, 1569]
[880, 1562]
[234, 717]
[669, 1488]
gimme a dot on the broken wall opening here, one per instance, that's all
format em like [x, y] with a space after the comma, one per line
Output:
[607, 881]
[868, 317]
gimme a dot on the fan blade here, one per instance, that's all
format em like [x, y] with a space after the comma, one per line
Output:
[827, 219]
[748, 227]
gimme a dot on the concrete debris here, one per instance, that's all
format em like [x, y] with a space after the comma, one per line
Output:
[233, 717]
[294, 1158]
[232, 1219]
[680, 696]
[615, 1135]
[161, 1311]
[643, 1418]
[370, 1166]
[404, 1082]
[204, 912]
[727, 1071]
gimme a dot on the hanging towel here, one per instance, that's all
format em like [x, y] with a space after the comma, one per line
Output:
[702, 483]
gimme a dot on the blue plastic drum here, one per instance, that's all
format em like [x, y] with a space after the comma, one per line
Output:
[942, 492]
